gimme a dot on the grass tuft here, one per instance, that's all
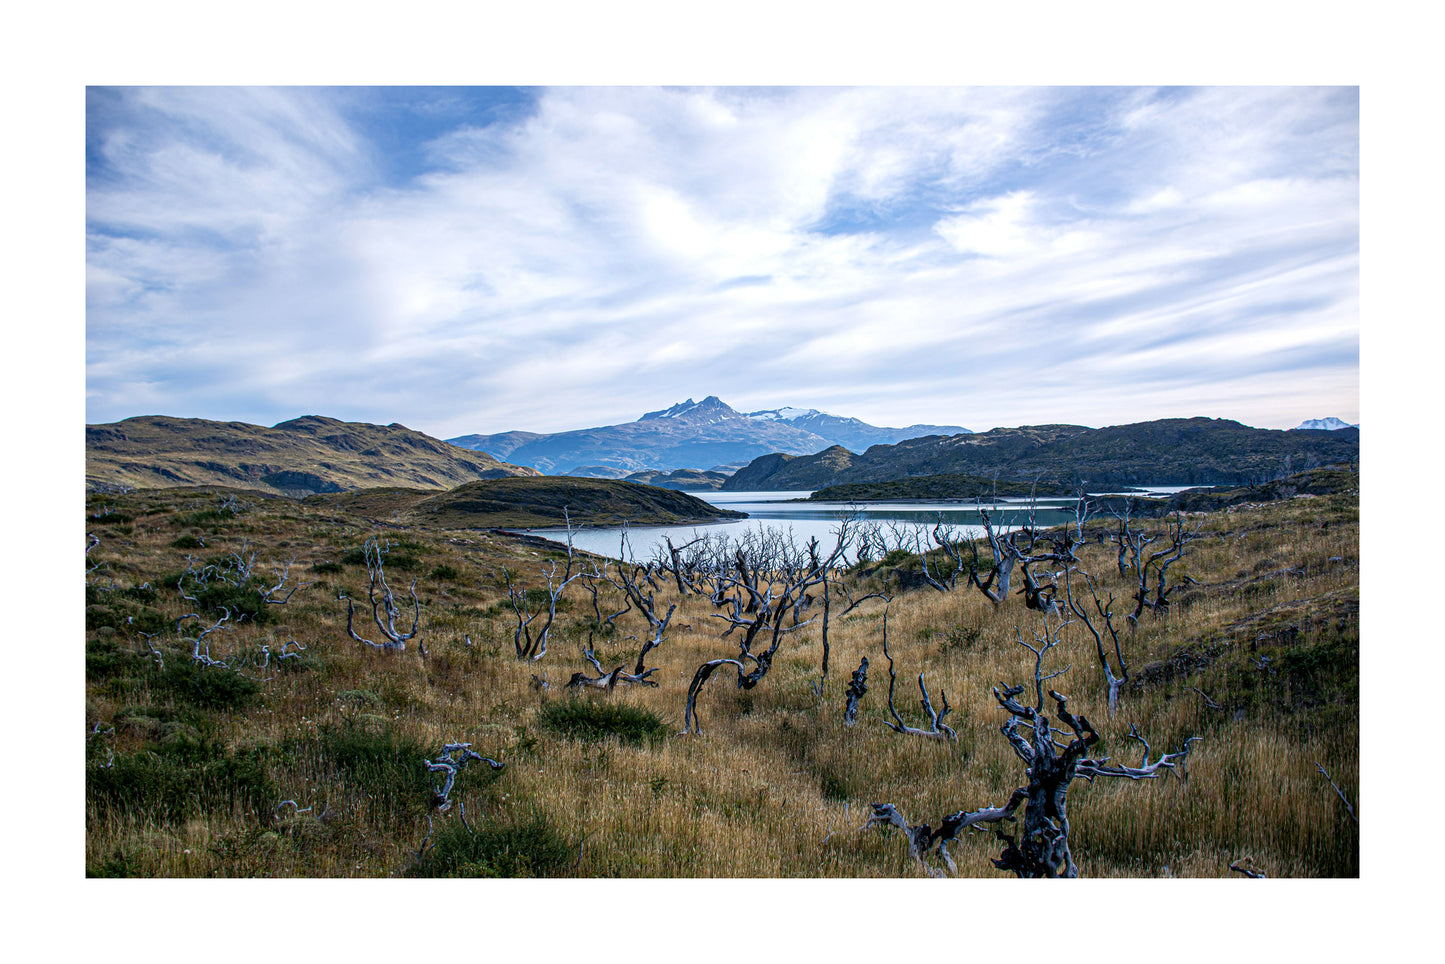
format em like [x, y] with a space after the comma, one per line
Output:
[594, 719]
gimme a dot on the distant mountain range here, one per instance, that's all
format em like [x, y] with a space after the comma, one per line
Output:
[691, 435]
[1330, 424]
[1177, 451]
[301, 457]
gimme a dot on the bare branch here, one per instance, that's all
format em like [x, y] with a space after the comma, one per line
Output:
[1242, 867]
[938, 730]
[1343, 799]
[450, 766]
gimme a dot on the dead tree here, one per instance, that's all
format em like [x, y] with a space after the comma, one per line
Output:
[533, 646]
[384, 611]
[857, 687]
[1113, 682]
[824, 569]
[855, 603]
[684, 568]
[938, 730]
[773, 615]
[591, 580]
[91, 541]
[1006, 556]
[1054, 758]
[766, 589]
[1132, 543]
[267, 594]
[946, 577]
[629, 580]
[607, 681]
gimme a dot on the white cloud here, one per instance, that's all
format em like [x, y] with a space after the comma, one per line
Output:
[617, 249]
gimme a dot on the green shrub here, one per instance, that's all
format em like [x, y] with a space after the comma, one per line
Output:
[242, 602]
[514, 847]
[327, 566]
[187, 542]
[105, 658]
[896, 557]
[114, 610]
[446, 572]
[383, 763]
[179, 780]
[207, 687]
[586, 719]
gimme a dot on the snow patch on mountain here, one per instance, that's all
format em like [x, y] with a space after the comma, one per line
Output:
[711, 408]
[1330, 424]
[784, 414]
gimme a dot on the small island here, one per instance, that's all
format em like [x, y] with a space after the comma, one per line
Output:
[531, 503]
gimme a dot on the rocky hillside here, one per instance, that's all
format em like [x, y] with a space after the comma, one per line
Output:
[1194, 451]
[296, 458]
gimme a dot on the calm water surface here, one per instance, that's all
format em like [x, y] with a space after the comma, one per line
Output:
[807, 520]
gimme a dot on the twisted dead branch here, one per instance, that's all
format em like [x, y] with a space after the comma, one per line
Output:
[1113, 682]
[937, 730]
[383, 603]
[450, 766]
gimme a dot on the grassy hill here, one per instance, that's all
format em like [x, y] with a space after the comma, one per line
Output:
[1194, 451]
[300, 457]
[525, 503]
[313, 766]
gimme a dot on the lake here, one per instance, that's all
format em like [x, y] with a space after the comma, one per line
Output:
[806, 520]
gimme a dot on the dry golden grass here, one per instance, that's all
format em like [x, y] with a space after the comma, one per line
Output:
[774, 785]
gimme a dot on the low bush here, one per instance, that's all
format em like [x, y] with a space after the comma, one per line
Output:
[207, 687]
[383, 763]
[176, 781]
[588, 719]
[528, 846]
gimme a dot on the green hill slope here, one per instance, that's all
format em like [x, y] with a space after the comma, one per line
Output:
[521, 503]
[1193, 451]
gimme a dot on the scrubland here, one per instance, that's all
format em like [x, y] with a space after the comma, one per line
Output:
[313, 765]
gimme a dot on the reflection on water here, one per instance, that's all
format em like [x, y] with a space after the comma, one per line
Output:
[809, 520]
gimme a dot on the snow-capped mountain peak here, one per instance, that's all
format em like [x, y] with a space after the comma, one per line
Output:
[1330, 424]
[711, 408]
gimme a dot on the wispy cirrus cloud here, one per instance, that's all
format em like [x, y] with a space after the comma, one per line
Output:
[479, 260]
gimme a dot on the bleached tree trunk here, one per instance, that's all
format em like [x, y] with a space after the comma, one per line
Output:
[384, 611]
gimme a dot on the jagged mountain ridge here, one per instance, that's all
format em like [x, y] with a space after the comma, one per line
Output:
[689, 435]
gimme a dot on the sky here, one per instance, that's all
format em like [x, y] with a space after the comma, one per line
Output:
[477, 260]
